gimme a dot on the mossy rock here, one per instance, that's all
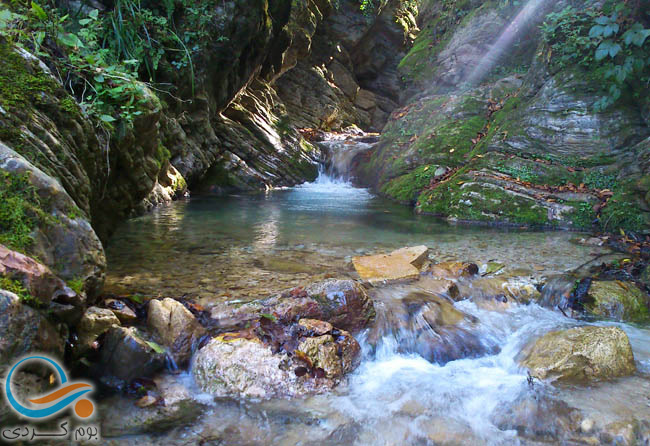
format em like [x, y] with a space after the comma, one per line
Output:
[622, 301]
[580, 355]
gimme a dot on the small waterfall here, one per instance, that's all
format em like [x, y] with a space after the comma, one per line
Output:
[341, 150]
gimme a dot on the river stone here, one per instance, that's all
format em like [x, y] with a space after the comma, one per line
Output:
[401, 264]
[241, 365]
[94, 322]
[622, 433]
[428, 325]
[126, 355]
[23, 329]
[501, 289]
[23, 386]
[453, 270]
[175, 327]
[121, 310]
[438, 286]
[618, 300]
[343, 303]
[580, 355]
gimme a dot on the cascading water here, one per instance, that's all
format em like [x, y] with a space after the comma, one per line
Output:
[341, 150]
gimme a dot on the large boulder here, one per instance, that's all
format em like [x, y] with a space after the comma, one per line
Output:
[59, 229]
[580, 355]
[618, 300]
[175, 327]
[24, 329]
[272, 359]
[343, 303]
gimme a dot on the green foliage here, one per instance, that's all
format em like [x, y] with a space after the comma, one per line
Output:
[611, 42]
[523, 173]
[16, 287]
[595, 179]
[103, 57]
[19, 211]
[77, 285]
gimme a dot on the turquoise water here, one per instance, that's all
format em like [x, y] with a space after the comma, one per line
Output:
[225, 247]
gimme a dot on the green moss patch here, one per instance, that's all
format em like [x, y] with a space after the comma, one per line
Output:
[19, 211]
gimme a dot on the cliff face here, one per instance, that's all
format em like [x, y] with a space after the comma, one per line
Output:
[505, 122]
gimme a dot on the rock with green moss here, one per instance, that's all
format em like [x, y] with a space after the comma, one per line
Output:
[46, 223]
[619, 301]
[38, 280]
[580, 355]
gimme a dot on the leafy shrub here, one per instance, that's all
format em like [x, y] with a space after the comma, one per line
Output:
[611, 41]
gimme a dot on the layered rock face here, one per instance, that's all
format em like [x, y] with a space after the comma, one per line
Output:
[499, 130]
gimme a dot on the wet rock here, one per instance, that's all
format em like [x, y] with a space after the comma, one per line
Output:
[35, 277]
[618, 300]
[343, 303]
[539, 416]
[580, 355]
[126, 355]
[402, 264]
[175, 327]
[23, 329]
[315, 326]
[453, 270]
[94, 322]
[438, 286]
[428, 325]
[503, 289]
[171, 405]
[121, 310]
[275, 360]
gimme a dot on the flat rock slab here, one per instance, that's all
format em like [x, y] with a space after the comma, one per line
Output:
[401, 264]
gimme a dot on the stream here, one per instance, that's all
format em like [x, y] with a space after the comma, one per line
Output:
[248, 246]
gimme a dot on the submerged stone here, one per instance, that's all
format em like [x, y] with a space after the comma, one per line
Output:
[538, 416]
[580, 355]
